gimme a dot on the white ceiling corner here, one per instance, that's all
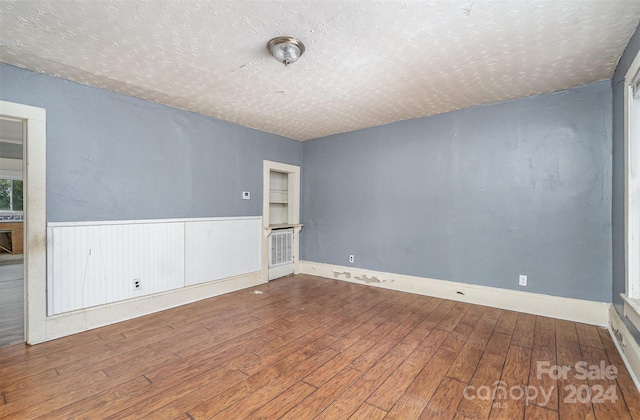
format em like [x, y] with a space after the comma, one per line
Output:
[366, 63]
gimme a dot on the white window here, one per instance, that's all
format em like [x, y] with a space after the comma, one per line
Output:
[632, 192]
[10, 195]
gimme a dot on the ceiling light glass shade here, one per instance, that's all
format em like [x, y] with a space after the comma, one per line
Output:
[285, 49]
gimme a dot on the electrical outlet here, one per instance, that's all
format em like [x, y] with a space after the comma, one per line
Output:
[351, 258]
[246, 195]
[137, 284]
[522, 280]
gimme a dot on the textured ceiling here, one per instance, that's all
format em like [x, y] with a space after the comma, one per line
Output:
[367, 63]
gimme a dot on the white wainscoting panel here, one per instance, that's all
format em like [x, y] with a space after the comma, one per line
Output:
[222, 248]
[97, 264]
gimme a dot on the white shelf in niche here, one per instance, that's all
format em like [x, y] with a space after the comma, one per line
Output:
[283, 226]
[278, 196]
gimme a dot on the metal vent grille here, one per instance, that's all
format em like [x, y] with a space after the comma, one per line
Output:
[281, 249]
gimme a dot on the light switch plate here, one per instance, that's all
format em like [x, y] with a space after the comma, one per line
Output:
[246, 195]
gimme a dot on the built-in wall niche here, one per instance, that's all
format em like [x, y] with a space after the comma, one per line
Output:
[281, 195]
[281, 219]
[278, 198]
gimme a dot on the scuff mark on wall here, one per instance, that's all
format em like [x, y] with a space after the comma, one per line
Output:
[364, 278]
[372, 279]
[619, 337]
[337, 274]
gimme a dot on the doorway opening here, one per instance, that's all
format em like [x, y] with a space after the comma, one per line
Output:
[12, 302]
[23, 220]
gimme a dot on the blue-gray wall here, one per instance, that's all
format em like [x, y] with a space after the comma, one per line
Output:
[477, 196]
[115, 157]
[617, 204]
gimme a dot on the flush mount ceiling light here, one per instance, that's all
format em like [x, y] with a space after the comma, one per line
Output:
[285, 49]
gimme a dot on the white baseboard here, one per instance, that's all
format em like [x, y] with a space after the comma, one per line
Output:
[280, 271]
[626, 344]
[86, 319]
[585, 311]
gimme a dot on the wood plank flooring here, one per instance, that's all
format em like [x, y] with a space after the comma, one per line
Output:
[308, 347]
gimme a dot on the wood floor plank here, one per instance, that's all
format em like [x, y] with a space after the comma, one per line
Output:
[277, 385]
[337, 364]
[378, 350]
[129, 348]
[524, 330]
[111, 336]
[422, 304]
[543, 356]
[588, 335]
[109, 397]
[486, 374]
[626, 386]
[398, 311]
[444, 403]
[92, 382]
[312, 347]
[296, 365]
[30, 382]
[316, 338]
[467, 359]
[605, 396]
[434, 317]
[534, 412]
[319, 399]
[368, 412]
[347, 403]
[568, 354]
[255, 400]
[415, 398]
[492, 313]
[430, 319]
[431, 304]
[154, 405]
[507, 322]
[469, 321]
[410, 341]
[284, 402]
[357, 316]
[393, 388]
[355, 335]
[178, 378]
[515, 378]
[36, 405]
[453, 317]
[454, 342]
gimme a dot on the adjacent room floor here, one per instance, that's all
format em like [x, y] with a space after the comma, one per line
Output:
[11, 300]
[302, 346]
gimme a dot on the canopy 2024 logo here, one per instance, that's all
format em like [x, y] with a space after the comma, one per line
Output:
[596, 394]
[500, 392]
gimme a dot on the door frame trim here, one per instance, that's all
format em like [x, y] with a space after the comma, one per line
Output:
[35, 221]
